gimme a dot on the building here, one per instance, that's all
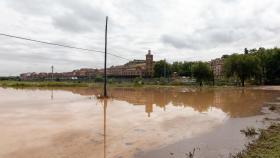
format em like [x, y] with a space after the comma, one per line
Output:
[134, 68]
[216, 66]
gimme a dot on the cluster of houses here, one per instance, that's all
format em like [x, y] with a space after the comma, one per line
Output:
[135, 68]
[82, 73]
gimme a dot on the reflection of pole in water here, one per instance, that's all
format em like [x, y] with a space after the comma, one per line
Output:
[104, 123]
[52, 94]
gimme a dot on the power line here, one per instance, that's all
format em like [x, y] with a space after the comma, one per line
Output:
[61, 45]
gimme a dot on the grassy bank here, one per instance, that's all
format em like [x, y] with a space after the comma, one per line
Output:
[23, 84]
[42, 84]
[266, 146]
[81, 84]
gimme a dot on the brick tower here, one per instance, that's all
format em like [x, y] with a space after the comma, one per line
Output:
[149, 64]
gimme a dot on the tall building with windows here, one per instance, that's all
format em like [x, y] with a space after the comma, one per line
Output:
[216, 66]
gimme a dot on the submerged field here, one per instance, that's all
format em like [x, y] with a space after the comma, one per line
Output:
[134, 122]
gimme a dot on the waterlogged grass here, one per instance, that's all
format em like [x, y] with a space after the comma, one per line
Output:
[249, 131]
[124, 84]
[266, 146]
[75, 84]
[23, 84]
[42, 84]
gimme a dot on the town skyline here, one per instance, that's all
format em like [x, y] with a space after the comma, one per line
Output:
[215, 65]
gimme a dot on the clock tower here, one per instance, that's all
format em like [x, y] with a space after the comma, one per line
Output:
[149, 64]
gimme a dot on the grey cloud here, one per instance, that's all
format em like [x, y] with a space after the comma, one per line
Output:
[177, 42]
[80, 17]
[201, 27]
[39, 57]
[72, 23]
[30, 6]
[222, 36]
[202, 39]
[69, 15]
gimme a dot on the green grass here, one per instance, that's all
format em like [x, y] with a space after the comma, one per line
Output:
[266, 146]
[42, 84]
[23, 84]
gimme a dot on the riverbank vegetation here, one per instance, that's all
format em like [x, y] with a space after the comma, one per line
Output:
[260, 66]
[41, 84]
[266, 146]
[112, 82]
[256, 67]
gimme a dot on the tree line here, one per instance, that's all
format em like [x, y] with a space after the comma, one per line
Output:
[260, 66]
[199, 70]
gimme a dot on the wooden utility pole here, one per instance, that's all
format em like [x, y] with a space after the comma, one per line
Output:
[105, 62]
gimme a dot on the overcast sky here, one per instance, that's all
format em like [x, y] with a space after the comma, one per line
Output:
[177, 30]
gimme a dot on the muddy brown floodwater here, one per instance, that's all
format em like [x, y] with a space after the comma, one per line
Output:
[141, 122]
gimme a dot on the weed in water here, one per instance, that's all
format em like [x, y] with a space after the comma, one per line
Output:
[249, 131]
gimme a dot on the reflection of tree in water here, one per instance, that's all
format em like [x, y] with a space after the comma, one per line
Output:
[199, 100]
[244, 102]
[236, 102]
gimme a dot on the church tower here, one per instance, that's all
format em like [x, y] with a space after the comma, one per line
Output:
[149, 64]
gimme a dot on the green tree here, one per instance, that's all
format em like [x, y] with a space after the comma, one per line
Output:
[176, 67]
[201, 72]
[182, 68]
[162, 69]
[186, 69]
[272, 66]
[262, 55]
[243, 66]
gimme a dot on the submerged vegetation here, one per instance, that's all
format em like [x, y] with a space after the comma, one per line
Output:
[41, 84]
[249, 131]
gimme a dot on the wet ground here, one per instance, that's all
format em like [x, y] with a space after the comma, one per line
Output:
[134, 122]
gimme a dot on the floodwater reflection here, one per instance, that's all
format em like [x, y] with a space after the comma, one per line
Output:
[71, 122]
[237, 102]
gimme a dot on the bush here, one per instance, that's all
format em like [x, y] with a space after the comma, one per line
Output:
[138, 81]
[98, 79]
[249, 131]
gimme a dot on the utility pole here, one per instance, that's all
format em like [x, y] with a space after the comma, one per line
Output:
[105, 58]
[52, 71]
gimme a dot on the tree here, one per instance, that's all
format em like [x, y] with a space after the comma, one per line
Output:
[243, 66]
[246, 51]
[176, 67]
[162, 69]
[182, 68]
[262, 55]
[273, 66]
[186, 69]
[201, 72]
